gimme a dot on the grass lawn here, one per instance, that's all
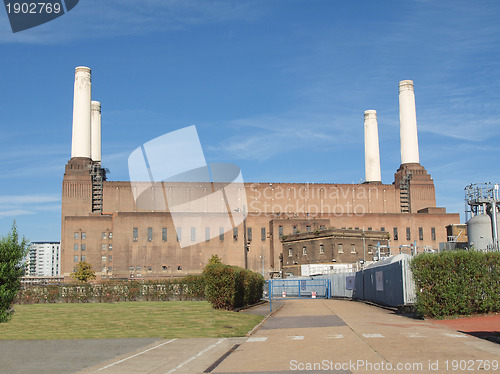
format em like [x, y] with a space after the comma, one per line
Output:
[170, 319]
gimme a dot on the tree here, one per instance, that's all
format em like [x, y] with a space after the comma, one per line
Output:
[83, 272]
[214, 260]
[12, 254]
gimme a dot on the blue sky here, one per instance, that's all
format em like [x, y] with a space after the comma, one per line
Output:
[276, 87]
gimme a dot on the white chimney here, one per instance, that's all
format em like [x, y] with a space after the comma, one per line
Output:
[96, 131]
[408, 123]
[80, 145]
[372, 153]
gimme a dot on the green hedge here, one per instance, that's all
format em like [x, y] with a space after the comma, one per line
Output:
[191, 287]
[231, 287]
[457, 283]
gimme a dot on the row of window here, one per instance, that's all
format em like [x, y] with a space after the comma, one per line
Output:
[340, 249]
[164, 236]
[395, 231]
[104, 235]
[408, 233]
[78, 258]
[83, 247]
[193, 233]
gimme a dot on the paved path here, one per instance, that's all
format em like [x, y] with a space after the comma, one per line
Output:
[342, 336]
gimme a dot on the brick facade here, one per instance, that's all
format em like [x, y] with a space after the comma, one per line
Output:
[274, 209]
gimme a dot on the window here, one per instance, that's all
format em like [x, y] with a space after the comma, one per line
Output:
[420, 233]
[322, 227]
[103, 247]
[207, 234]
[77, 235]
[341, 248]
[76, 258]
[308, 228]
[295, 229]
[249, 234]
[103, 258]
[110, 258]
[164, 234]
[193, 234]
[84, 235]
[131, 268]
[150, 234]
[263, 234]
[304, 251]
[110, 268]
[83, 257]
[179, 233]
[104, 235]
[408, 234]
[382, 229]
[111, 235]
[110, 247]
[370, 248]
[353, 248]
[235, 233]
[321, 249]
[395, 230]
[280, 231]
[370, 229]
[84, 247]
[135, 233]
[290, 252]
[433, 233]
[76, 247]
[138, 268]
[164, 267]
[221, 234]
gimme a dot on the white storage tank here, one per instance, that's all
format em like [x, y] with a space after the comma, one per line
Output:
[479, 231]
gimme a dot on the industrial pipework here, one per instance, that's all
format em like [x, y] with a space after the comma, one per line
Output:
[482, 203]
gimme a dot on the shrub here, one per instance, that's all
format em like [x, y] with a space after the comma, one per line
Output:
[457, 283]
[230, 287]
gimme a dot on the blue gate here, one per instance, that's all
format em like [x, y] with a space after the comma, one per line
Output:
[298, 288]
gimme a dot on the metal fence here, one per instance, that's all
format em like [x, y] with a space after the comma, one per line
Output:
[387, 282]
[299, 288]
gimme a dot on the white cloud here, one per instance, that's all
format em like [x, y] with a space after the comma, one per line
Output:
[94, 18]
[263, 137]
[14, 213]
[29, 199]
